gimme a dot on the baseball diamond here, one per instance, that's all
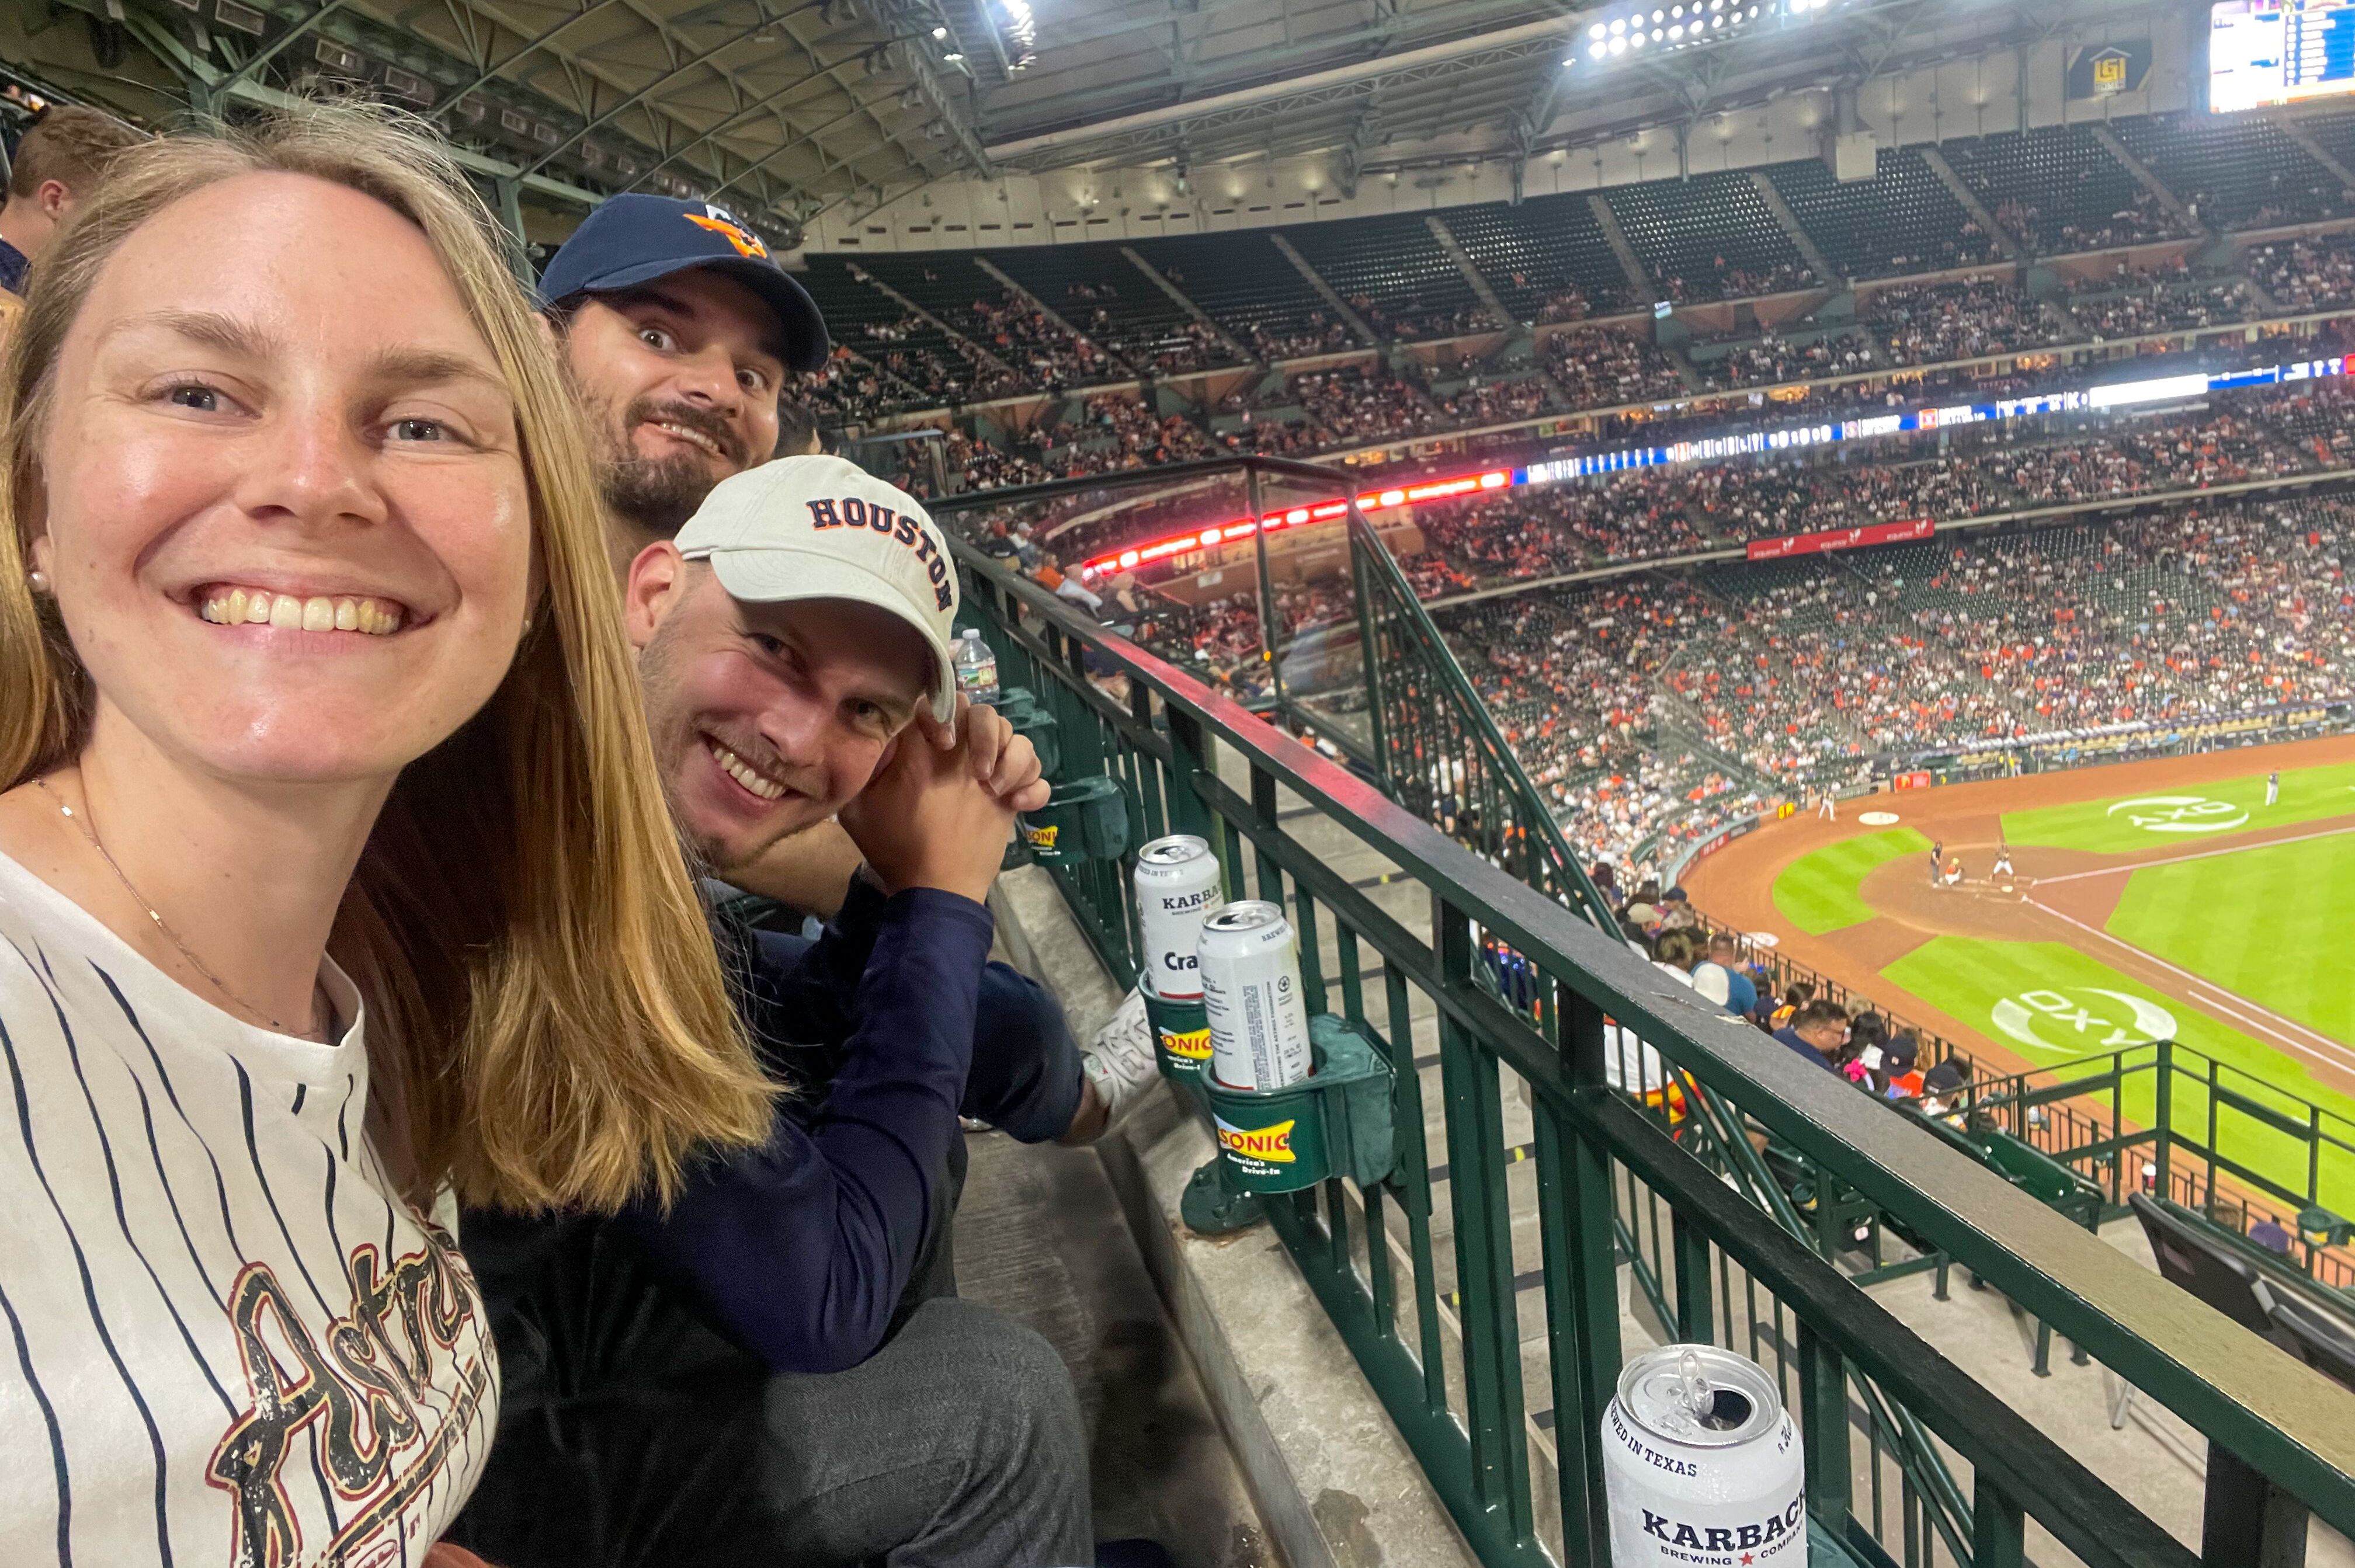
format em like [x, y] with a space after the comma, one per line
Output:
[2159, 900]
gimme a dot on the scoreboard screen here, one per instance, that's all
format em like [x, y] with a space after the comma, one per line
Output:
[2264, 52]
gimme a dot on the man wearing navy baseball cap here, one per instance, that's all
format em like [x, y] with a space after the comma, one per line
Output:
[680, 331]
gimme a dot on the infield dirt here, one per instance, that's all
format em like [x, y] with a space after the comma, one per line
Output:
[2064, 896]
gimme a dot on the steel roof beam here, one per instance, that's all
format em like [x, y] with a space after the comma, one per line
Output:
[1435, 62]
[1266, 62]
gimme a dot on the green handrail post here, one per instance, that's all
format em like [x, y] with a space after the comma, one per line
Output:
[1823, 1429]
[1695, 1313]
[2163, 1099]
[1576, 1219]
[1377, 736]
[2245, 1521]
[1267, 586]
[1999, 1527]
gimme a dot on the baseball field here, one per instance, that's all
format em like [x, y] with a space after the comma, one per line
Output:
[2188, 899]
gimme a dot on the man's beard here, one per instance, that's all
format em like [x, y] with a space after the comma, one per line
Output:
[659, 495]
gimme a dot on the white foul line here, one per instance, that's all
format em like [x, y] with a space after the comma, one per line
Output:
[2333, 1053]
[2201, 855]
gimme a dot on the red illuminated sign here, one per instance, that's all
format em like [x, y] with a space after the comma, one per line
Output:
[1841, 539]
[1322, 512]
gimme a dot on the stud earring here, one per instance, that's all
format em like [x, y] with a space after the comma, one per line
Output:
[526, 626]
[39, 579]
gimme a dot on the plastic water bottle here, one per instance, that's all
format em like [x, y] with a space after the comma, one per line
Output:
[977, 669]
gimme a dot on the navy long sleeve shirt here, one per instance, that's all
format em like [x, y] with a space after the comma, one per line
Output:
[802, 1248]
[800, 1252]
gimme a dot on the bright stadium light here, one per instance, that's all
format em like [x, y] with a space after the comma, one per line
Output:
[1597, 30]
[1618, 45]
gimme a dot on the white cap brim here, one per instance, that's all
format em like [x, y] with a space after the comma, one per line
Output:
[773, 575]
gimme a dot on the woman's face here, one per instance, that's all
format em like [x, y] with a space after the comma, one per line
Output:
[283, 505]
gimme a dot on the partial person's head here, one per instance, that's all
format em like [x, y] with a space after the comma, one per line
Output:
[679, 331]
[1824, 1025]
[311, 507]
[1677, 948]
[59, 163]
[785, 639]
[1724, 950]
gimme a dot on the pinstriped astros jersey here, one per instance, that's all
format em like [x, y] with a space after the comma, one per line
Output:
[222, 1340]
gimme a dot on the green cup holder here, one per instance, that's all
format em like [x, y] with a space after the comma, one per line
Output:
[1016, 700]
[1334, 1122]
[1044, 735]
[1086, 819]
[1181, 1038]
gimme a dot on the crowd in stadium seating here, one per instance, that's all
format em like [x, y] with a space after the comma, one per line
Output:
[1480, 400]
[1927, 323]
[1042, 352]
[1599, 369]
[2305, 274]
[1115, 432]
[1803, 669]
[1728, 279]
[1771, 358]
[1545, 530]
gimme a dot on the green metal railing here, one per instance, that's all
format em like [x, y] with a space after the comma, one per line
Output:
[1478, 1285]
[2127, 1119]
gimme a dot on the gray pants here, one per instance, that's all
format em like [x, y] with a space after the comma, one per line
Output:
[958, 1445]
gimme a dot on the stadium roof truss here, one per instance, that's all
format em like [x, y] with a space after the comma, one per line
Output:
[785, 108]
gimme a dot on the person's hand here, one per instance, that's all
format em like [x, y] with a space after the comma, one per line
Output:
[1004, 762]
[932, 817]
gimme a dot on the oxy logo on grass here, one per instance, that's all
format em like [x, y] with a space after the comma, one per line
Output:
[2082, 1018]
[2181, 814]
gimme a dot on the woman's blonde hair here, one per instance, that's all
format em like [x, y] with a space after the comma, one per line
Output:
[544, 994]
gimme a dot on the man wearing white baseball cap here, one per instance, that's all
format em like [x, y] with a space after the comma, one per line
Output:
[769, 1371]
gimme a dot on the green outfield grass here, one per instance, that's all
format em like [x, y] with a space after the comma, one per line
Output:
[2270, 922]
[2053, 993]
[2205, 814]
[1818, 891]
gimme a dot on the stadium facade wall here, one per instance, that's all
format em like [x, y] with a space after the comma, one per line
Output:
[2003, 90]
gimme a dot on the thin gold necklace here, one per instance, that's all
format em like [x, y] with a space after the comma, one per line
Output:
[88, 827]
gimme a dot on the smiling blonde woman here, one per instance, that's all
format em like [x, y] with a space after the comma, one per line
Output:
[334, 876]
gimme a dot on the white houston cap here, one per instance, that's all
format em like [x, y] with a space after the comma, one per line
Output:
[822, 528]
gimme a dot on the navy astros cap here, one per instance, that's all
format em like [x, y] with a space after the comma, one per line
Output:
[634, 238]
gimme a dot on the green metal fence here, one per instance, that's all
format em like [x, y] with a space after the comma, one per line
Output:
[1480, 1287]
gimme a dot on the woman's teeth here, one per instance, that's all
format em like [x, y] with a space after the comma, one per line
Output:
[735, 768]
[293, 613]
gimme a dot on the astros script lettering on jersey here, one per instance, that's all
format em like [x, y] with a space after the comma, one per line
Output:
[855, 512]
[358, 1400]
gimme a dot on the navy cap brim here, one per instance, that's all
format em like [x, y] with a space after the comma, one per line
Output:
[806, 345]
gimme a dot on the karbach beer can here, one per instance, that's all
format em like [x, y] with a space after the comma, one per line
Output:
[1250, 996]
[1702, 1464]
[1177, 886]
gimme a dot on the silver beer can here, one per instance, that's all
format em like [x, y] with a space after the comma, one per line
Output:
[1249, 966]
[1177, 885]
[1702, 1464]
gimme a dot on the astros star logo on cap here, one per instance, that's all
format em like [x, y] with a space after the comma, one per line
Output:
[722, 222]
